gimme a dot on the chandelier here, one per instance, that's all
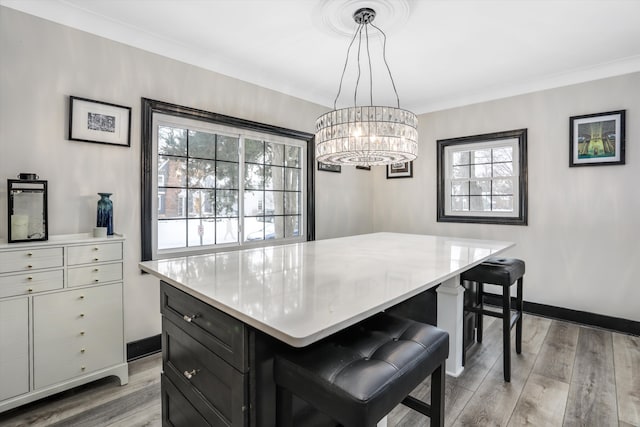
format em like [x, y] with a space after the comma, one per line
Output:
[366, 135]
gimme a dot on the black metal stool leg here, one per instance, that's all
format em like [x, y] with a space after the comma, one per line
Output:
[519, 322]
[480, 295]
[437, 396]
[506, 332]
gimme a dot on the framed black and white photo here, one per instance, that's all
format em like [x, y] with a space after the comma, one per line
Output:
[400, 170]
[100, 122]
[597, 139]
[329, 168]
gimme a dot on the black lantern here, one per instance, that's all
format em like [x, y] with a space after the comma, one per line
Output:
[27, 208]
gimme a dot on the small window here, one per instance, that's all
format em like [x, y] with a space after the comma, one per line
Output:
[483, 178]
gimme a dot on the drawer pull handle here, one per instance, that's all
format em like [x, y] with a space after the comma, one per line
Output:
[81, 296]
[96, 280]
[81, 332]
[83, 368]
[95, 249]
[189, 319]
[96, 259]
[29, 290]
[29, 266]
[29, 253]
[95, 270]
[81, 314]
[190, 374]
[82, 350]
[29, 278]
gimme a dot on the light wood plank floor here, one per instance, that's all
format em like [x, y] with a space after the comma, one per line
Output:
[567, 375]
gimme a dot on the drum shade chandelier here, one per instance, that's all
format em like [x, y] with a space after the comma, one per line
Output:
[366, 135]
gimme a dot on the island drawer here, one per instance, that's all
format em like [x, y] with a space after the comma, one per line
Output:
[30, 259]
[100, 252]
[219, 332]
[213, 387]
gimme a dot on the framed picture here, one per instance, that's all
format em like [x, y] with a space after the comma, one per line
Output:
[400, 170]
[597, 139]
[101, 122]
[329, 168]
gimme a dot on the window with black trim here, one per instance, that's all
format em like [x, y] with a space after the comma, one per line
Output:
[483, 178]
[221, 182]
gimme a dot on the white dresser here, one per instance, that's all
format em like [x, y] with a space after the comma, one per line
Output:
[61, 316]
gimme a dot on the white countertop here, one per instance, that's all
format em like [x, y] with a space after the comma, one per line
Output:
[303, 292]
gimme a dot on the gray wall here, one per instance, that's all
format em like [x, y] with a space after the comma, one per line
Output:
[582, 244]
[42, 63]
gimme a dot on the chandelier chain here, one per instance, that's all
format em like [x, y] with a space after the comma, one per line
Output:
[366, 31]
[346, 62]
[384, 57]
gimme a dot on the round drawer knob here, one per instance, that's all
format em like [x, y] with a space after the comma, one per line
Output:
[29, 278]
[82, 350]
[96, 259]
[83, 368]
[30, 290]
[96, 280]
[81, 314]
[95, 248]
[95, 270]
[81, 296]
[29, 266]
[81, 332]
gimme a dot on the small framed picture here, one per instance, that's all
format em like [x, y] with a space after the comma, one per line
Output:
[329, 168]
[400, 170]
[100, 122]
[597, 139]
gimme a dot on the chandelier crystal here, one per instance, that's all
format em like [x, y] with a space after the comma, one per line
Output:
[366, 135]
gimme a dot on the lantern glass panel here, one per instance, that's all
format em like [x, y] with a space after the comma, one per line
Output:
[27, 210]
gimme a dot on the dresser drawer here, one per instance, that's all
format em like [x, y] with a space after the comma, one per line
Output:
[28, 283]
[76, 332]
[101, 252]
[221, 333]
[94, 274]
[214, 387]
[32, 259]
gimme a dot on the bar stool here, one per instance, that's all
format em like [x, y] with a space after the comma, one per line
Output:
[359, 375]
[502, 272]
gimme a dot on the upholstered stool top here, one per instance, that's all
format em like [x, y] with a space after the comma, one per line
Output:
[497, 271]
[363, 372]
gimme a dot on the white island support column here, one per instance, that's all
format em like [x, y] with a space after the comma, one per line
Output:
[450, 315]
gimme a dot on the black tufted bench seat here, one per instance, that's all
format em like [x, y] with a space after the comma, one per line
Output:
[359, 375]
[502, 272]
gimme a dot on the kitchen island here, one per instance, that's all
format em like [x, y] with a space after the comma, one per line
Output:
[231, 310]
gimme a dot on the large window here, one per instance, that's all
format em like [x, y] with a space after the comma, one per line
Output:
[483, 178]
[221, 182]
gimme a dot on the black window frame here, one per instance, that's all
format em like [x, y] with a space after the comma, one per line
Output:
[522, 202]
[151, 107]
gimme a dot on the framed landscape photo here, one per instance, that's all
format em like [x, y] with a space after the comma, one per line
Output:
[597, 139]
[100, 122]
[400, 170]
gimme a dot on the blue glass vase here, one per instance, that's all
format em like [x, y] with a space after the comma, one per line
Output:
[105, 212]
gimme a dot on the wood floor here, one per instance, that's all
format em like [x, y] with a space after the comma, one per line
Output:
[567, 375]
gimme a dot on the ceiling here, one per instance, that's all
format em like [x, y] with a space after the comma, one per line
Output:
[442, 53]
